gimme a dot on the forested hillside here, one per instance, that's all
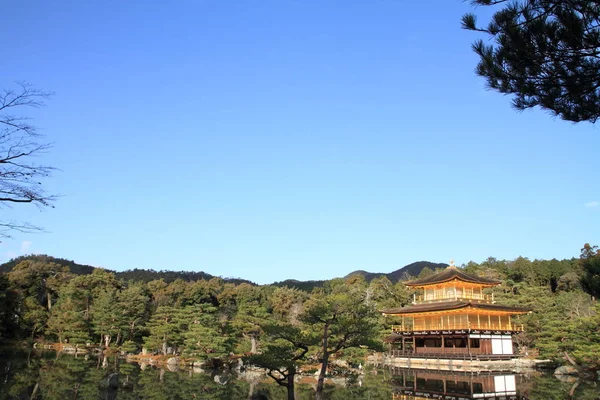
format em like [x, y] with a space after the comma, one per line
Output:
[136, 274]
[75, 268]
[147, 275]
[41, 299]
[306, 286]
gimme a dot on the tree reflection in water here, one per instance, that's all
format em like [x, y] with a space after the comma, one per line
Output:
[29, 375]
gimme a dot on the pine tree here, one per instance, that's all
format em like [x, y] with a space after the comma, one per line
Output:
[134, 304]
[67, 321]
[107, 317]
[8, 309]
[546, 54]
[204, 335]
[343, 318]
[590, 263]
[287, 347]
[167, 326]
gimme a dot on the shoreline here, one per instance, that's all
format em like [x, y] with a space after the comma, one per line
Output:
[516, 365]
[174, 362]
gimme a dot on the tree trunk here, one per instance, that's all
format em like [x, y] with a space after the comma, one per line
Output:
[253, 344]
[290, 386]
[570, 360]
[131, 329]
[323, 371]
[49, 300]
[35, 389]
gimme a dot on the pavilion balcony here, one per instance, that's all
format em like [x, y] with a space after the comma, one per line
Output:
[451, 353]
[484, 326]
[441, 296]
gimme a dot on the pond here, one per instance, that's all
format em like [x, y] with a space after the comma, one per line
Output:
[49, 375]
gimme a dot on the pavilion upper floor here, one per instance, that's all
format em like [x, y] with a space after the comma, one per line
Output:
[455, 315]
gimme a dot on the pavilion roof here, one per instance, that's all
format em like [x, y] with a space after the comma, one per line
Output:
[450, 274]
[452, 305]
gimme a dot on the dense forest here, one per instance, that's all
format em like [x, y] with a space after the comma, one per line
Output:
[280, 327]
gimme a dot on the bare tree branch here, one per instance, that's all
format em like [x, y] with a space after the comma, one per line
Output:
[20, 176]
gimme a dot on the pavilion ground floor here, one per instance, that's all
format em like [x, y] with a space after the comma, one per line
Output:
[461, 344]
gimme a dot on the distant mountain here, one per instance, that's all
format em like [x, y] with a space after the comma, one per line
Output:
[407, 272]
[367, 275]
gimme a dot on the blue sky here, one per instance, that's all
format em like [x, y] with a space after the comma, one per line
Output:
[279, 139]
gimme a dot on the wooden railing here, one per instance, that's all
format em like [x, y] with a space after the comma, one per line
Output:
[458, 353]
[430, 298]
[462, 326]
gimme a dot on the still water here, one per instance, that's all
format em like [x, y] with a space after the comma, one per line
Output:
[48, 375]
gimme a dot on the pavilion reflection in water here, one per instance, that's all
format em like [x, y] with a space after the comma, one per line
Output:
[416, 384]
